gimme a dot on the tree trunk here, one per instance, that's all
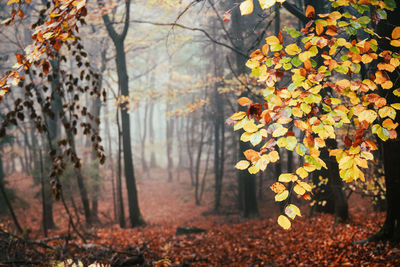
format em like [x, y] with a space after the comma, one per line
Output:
[123, 82]
[6, 200]
[391, 228]
[133, 203]
[121, 211]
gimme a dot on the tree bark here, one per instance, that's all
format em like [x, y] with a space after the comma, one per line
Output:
[135, 216]
[391, 228]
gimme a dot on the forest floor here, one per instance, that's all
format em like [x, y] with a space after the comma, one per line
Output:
[229, 239]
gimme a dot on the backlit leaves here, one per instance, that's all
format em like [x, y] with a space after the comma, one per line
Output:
[324, 95]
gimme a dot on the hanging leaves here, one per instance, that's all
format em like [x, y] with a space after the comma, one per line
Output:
[322, 96]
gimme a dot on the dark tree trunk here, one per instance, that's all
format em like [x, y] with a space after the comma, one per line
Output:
[331, 193]
[121, 211]
[123, 82]
[6, 200]
[391, 228]
[247, 181]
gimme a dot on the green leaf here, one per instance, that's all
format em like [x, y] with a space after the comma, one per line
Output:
[293, 33]
[351, 31]
[390, 4]
[276, 47]
[364, 20]
[381, 14]
[296, 61]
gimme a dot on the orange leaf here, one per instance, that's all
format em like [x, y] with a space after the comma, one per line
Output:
[310, 12]
[251, 155]
[396, 33]
[244, 101]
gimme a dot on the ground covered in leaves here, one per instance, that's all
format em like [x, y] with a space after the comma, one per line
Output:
[229, 240]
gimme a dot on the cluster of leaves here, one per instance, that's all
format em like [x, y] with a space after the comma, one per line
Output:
[42, 62]
[60, 26]
[314, 89]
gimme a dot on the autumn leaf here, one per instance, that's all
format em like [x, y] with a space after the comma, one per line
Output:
[284, 222]
[266, 3]
[246, 7]
[227, 16]
[277, 187]
[244, 101]
[310, 12]
[282, 196]
[396, 33]
[292, 49]
[287, 177]
[242, 165]
[250, 127]
[251, 155]
[238, 115]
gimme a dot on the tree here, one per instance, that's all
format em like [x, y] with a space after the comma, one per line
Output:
[123, 83]
[331, 101]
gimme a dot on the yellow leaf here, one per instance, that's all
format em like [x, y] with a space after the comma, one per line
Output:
[287, 177]
[346, 162]
[278, 187]
[305, 108]
[271, 40]
[335, 152]
[282, 196]
[282, 142]
[250, 127]
[387, 112]
[252, 63]
[299, 190]
[367, 155]
[354, 150]
[297, 112]
[367, 115]
[263, 133]
[266, 3]
[279, 131]
[284, 222]
[254, 169]
[238, 115]
[396, 33]
[273, 156]
[387, 84]
[242, 165]
[246, 7]
[246, 137]
[361, 162]
[292, 49]
[396, 106]
[10, 2]
[302, 172]
[305, 185]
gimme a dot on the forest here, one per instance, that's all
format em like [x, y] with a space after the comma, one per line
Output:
[199, 133]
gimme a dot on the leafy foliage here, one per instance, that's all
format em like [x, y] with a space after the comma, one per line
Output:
[315, 89]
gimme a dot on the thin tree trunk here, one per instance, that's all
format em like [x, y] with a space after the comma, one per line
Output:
[6, 200]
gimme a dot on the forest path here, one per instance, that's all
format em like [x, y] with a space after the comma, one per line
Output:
[228, 240]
